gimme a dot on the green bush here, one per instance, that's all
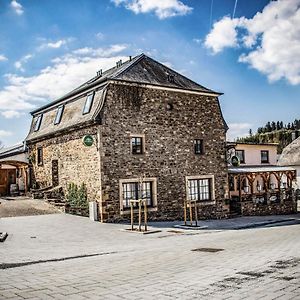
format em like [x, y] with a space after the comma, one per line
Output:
[77, 196]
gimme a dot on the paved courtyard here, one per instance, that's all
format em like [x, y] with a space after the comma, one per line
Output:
[68, 257]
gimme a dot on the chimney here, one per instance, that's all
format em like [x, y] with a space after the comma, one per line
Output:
[119, 63]
[99, 73]
[130, 58]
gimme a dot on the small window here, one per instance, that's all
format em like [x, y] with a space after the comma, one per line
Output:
[137, 145]
[199, 189]
[136, 191]
[39, 156]
[198, 146]
[241, 155]
[38, 123]
[88, 104]
[264, 154]
[59, 114]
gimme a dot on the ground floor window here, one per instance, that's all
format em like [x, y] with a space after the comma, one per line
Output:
[134, 190]
[200, 189]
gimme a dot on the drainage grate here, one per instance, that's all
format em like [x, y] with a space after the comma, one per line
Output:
[212, 250]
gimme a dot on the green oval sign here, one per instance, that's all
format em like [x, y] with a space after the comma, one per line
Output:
[235, 161]
[88, 140]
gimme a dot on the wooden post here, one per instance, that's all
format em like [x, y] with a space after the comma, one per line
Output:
[196, 214]
[140, 215]
[145, 215]
[131, 212]
[191, 213]
[184, 211]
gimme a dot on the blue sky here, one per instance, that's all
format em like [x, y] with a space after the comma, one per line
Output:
[49, 47]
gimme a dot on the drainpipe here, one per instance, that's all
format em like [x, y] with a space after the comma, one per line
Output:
[99, 158]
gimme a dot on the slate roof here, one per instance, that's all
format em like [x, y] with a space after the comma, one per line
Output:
[72, 115]
[13, 150]
[291, 154]
[140, 69]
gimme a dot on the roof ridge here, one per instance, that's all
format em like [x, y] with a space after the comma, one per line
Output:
[134, 61]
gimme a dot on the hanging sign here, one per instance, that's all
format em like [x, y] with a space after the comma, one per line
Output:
[88, 140]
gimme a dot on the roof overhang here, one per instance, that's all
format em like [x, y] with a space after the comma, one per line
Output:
[259, 169]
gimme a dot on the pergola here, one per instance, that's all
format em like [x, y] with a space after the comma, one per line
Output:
[261, 181]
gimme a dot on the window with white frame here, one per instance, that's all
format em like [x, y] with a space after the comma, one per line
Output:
[200, 189]
[88, 104]
[59, 114]
[38, 122]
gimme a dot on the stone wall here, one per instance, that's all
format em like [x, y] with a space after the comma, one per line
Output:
[169, 149]
[252, 209]
[76, 162]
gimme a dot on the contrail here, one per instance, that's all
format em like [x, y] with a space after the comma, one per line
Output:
[235, 4]
[211, 8]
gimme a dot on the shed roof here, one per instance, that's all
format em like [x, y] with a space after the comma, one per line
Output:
[291, 154]
[258, 169]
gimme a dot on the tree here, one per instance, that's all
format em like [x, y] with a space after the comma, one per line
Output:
[268, 127]
[250, 132]
[273, 126]
[281, 125]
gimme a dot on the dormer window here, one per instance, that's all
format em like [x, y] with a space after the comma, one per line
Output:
[88, 104]
[59, 113]
[38, 122]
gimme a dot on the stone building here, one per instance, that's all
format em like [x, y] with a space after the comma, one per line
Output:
[138, 121]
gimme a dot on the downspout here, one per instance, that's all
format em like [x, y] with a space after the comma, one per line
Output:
[100, 178]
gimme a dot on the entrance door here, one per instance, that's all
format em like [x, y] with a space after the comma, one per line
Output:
[3, 182]
[55, 179]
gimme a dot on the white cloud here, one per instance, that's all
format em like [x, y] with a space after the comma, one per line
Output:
[5, 133]
[54, 45]
[162, 9]
[271, 40]
[65, 73]
[17, 7]
[223, 35]
[10, 114]
[3, 58]
[19, 64]
[238, 130]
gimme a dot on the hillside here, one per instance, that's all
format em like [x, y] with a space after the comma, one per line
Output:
[274, 132]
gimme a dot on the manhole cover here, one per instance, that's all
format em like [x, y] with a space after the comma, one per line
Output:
[212, 250]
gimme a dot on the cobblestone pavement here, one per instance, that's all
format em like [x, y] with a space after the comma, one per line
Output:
[24, 206]
[66, 257]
